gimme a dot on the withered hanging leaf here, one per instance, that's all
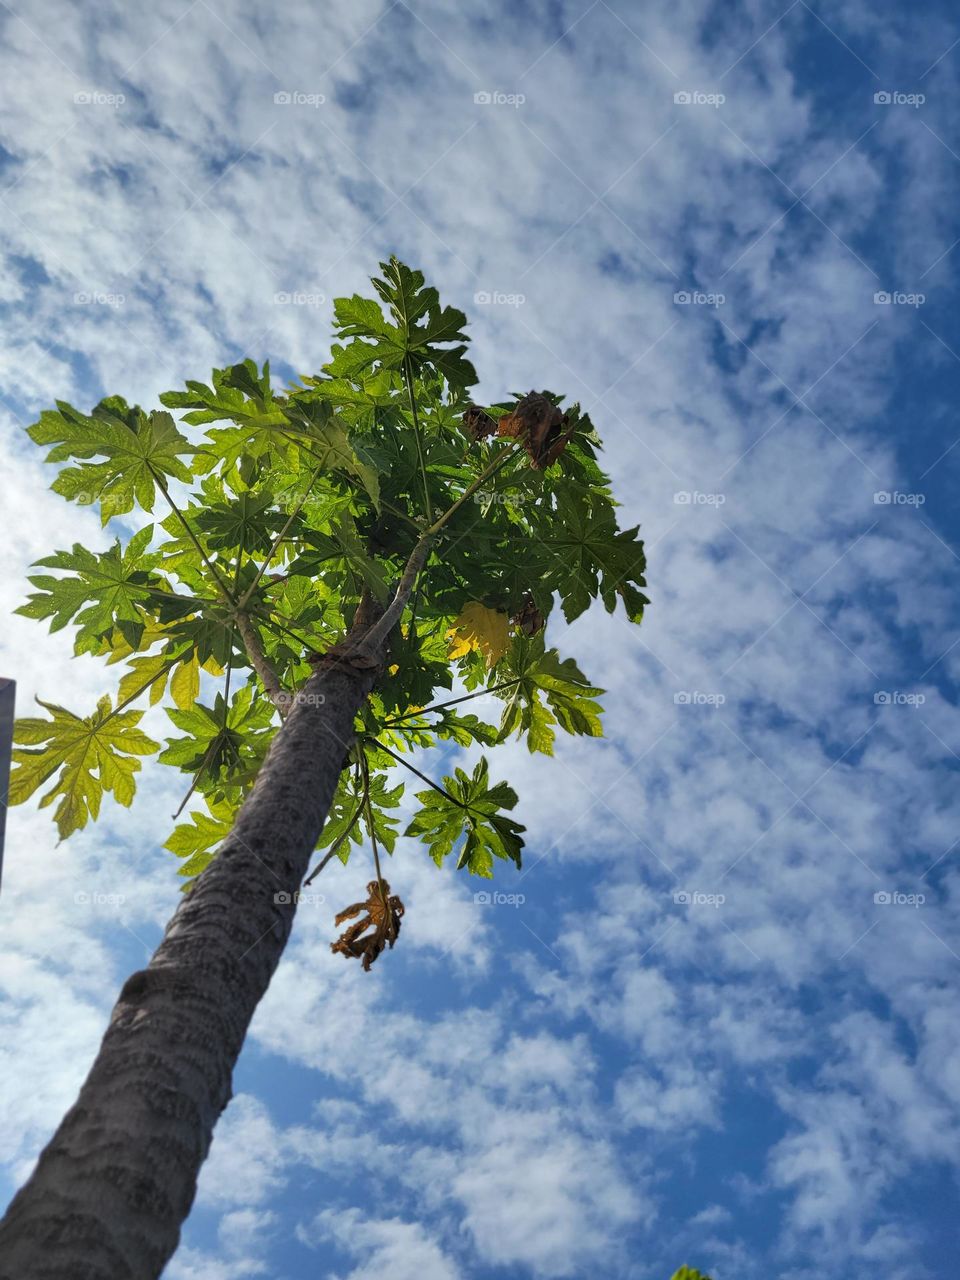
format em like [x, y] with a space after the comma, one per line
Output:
[538, 420]
[480, 628]
[555, 449]
[381, 913]
[528, 617]
[477, 423]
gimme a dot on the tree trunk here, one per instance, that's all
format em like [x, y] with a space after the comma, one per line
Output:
[111, 1189]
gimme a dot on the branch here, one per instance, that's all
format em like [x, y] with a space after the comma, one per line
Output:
[408, 378]
[373, 833]
[375, 637]
[194, 781]
[258, 660]
[452, 702]
[422, 776]
[161, 483]
[164, 670]
[503, 456]
[334, 848]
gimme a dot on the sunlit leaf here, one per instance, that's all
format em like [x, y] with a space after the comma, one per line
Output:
[89, 755]
[139, 449]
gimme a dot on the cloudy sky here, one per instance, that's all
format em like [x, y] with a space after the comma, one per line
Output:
[721, 1026]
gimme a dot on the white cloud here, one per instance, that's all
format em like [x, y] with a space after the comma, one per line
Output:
[245, 1165]
[384, 1246]
[505, 1088]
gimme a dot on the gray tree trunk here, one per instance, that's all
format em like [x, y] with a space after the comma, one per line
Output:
[112, 1188]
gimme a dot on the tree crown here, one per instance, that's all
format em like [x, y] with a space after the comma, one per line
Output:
[286, 512]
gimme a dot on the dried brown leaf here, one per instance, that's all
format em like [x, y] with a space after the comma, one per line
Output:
[539, 423]
[381, 914]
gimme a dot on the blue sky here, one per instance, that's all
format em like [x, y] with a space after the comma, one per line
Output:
[702, 1037]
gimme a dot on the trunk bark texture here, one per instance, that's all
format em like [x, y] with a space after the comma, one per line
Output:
[112, 1188]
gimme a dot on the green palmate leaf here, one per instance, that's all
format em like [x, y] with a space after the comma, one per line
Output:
[385, 349]
[464, 729]
[351, 379]
[363, 318]
[688, 1273]
[267, 426]
[406, 294]
[591, 557]
[89, 755]
[361, 401]
[472, 812]
[246, 523]
[196, 841]
[211, 637]
[549, 691]
[245, 378]
[140, 450]
[421, 332]
[319, 500]
[419, 666]
[105, 590]
[239, 393]
[307, 604]
[223, 742]
[416, 308]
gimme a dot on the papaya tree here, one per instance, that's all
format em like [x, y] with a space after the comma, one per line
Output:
[333, 572]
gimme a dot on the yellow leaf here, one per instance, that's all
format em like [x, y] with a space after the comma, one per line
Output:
[485, 630]
[185, 683]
